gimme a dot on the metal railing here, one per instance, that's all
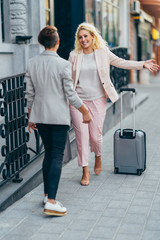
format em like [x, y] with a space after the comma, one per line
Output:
[14, 121]
[18, 149]
[119, 76]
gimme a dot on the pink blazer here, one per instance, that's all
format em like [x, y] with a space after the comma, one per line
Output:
[104, 58]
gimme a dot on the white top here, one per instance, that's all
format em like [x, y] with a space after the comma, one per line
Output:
[89, 86]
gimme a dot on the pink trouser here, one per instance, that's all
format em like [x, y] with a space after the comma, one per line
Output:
[89, 132]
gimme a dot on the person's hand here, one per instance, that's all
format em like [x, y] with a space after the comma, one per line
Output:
[31, 125]
[86, 118]
[151, 65]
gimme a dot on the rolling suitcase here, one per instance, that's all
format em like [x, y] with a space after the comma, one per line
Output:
[129, 145]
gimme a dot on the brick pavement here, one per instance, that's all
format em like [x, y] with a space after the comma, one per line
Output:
[113, 207]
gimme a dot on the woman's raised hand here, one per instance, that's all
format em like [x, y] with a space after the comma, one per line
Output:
[151, 65]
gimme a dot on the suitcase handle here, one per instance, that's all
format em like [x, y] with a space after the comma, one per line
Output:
[133, 116]
[127, 90]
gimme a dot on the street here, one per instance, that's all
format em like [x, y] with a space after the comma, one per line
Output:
[112, 207]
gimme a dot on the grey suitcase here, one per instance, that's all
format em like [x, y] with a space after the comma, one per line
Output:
[129, 145]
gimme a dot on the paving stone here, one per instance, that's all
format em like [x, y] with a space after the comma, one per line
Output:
[154, 215]
[157, 199]
[98, 238]
[135, 218]
[129, 184]
[138, 209]
[96, 207]
[14, 213]
[77, 201]
[156, 206]
[72, 235]
[15, 237]
[119, 204]
[89, 215]
[113, 212]
[109, 221]
[44, 236]
[142, 202]
[69, 218]
[150, 182]
[153, 225]
[126, 237]
[126, 190]
[82, 225]
[129, 228]
[102, 232]
[23, 231]
[100, 199]
[9, 223]
[51, 227]
[151, 235]
[144, 195]
[122, 196]
[146, 188]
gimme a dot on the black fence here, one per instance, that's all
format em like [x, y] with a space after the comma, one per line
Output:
[14, 120]
[119, 76]
[16, 150]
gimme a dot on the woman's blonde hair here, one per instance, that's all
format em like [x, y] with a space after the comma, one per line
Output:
[98, 41]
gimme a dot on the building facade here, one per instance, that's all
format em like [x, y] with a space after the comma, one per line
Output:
[123, 23]
[21, 21]
[144, 35]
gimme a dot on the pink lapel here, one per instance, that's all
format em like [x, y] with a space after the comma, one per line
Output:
[98, 59]
[78, 67]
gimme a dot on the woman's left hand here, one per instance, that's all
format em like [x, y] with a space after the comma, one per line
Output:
[151, 65]
[31, 125]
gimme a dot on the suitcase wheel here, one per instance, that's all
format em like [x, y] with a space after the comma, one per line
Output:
[116, 170]
[139, 172]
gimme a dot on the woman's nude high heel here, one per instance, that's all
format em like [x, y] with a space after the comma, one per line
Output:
[85, 178]
[98, 165]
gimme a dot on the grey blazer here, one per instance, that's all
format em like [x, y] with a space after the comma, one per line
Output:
[50, 88]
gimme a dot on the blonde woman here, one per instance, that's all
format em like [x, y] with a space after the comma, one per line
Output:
[91, 60]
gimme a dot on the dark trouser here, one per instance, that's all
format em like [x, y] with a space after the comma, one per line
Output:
[54, 139]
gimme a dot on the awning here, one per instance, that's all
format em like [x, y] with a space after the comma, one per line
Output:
[152, 7]
[146, 16]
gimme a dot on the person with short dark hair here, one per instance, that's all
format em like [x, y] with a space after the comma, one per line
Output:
[49, 89]
[48, 36]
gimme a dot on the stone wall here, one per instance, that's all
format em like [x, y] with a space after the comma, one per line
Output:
[18, 18]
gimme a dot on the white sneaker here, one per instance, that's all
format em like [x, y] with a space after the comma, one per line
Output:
[45, 200]
[55, 209]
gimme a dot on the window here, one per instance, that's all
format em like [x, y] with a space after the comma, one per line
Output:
[2, 21]
[104, 15]
[144, 29]
[49, 8]
[89, 11]
[5, 21]
[98, 10]
[110, 22]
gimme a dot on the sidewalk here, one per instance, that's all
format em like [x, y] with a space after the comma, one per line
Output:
[113, 207]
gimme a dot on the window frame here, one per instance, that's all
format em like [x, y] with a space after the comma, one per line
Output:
[101, 25]
[50, 10]
[5, 21]
[2, 21]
